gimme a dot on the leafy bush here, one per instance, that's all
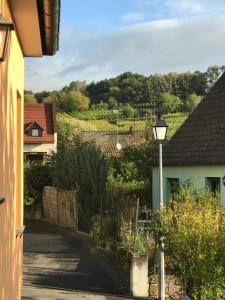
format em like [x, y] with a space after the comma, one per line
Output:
[83, 167]
[103, 228]
[193, 228]
[128, 111]
[36, 176]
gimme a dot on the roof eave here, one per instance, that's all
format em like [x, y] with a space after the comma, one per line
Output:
[154, 164]
[49, 20]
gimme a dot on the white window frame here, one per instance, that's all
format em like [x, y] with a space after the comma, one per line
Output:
[35, 132]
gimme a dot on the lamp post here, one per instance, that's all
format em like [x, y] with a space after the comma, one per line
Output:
[5, 29]
[118, 144]
[160, 130]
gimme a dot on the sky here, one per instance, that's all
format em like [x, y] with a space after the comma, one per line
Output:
[103, 38]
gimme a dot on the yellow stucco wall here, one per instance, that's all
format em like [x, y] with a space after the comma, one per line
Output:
[11, 166]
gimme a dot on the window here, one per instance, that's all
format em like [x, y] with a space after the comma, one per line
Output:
[173, 186]
[212, 184]
[35, 132]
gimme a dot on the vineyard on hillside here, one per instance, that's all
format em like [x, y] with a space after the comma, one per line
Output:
[107, 121]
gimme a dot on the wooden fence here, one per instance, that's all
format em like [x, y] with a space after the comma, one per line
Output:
[60, 207]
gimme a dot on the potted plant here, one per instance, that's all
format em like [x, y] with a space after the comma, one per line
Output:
[139, 242]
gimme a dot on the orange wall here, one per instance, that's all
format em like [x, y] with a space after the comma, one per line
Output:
[11, 173]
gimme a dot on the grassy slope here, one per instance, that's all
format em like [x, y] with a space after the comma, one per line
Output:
[173, 120]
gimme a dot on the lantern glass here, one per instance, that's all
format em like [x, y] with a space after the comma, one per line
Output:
[161, 133]
[160, 129]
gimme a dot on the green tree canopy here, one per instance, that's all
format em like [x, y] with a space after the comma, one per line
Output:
[112, 103]
[168, 103]
[29, 97]
[41, 96]
[192, 101]
[75, 86]
[71, 101]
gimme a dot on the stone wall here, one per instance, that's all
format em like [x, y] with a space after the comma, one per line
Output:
[60, 207]
[173, 287]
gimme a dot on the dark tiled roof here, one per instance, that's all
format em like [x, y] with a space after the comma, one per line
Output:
[43, 115]
[201, 139]
[106, 140]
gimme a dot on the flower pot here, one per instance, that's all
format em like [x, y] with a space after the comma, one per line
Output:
[139, 276]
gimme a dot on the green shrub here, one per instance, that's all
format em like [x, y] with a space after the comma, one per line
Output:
[128, 111]
[83, 167]
[193, 227]
[36, 176]
[103, 229]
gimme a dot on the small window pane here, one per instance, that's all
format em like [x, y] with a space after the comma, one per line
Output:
[35, 132]
[212, 184]
[173, 185]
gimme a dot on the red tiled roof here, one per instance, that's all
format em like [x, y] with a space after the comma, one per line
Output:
[44, 116]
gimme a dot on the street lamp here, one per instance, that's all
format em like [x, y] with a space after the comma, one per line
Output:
[118, 144]
[160, 130]
[5, 29]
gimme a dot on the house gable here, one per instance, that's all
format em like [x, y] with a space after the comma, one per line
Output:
[201, 139]
[34, 127]
[39, 117]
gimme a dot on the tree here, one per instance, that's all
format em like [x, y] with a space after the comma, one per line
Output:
[112, 103]
[29, 97]
[71, 101]
[114, 92]
[168, 103]
[41, 96]
[212, 74]
[78, 100]
[59, 99]
[192, 101]
[75, 86]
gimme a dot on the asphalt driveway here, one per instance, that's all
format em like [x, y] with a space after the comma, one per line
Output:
[57, 262]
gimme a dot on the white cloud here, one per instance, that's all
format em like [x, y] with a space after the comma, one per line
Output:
[133, 16]
[160, 46]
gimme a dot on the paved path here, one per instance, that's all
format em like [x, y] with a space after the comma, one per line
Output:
[60, 265]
